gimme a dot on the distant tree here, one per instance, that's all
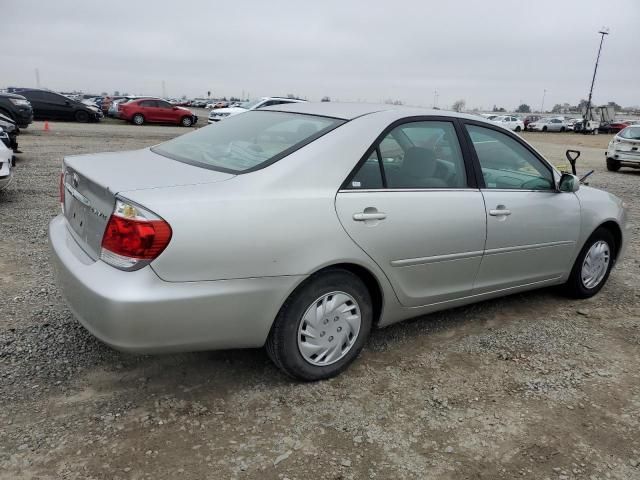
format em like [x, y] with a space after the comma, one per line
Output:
[615, 106]
[557, 108]
[582, 104]
[104, 94]
[458, 105]
[390, 101]
[325, 99]
[116, 93]
[524, 108]
[184, 97]
[498, 109]
[125, 94]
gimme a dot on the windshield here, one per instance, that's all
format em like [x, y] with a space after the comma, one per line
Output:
[251, 103]
[247, 142]
[632, 133]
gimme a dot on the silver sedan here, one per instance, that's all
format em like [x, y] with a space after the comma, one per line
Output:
[302, 227]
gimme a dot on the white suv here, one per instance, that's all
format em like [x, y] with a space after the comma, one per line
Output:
[509, 122]
[221, 113]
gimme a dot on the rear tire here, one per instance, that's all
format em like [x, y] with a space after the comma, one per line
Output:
[81, 116]
[544, 129]
[562, 129]
[304, 312]
[576, 285]
[137, 119]
[186, 121]
[613, 165]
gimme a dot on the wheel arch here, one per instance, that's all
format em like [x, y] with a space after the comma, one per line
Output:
[615, 230]
[363, 273]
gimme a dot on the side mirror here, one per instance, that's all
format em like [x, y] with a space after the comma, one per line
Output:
[568, 183]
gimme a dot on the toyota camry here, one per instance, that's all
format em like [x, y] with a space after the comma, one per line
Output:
[301, 227]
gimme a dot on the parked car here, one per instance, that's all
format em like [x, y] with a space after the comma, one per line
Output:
[217, 104]
[17, 108]
[222, 113]
[571, 123]
[107, 102]
[624, 149]
[199, 102]
[48, 105]
[614, 126]
[6, 162]
[509, 122]
[530, 119]
[10, 133]
[302, 226]
[150, 110]
[549, 125]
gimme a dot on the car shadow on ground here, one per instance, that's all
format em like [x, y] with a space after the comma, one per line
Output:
[231, 371]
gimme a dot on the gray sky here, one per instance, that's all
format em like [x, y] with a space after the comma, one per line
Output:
[487, 52]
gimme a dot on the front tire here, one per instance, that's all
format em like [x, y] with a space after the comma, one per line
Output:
[81, 116]
[186, 121]
[137, 119]
[593, 265]
[518, 128]
[322, 327]
[613, 165]
[544, 129]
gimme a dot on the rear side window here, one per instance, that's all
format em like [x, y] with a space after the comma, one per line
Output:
[416, 155]
[247, 142]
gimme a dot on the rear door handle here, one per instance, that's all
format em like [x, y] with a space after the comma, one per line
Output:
[499, 212]
[361, 217]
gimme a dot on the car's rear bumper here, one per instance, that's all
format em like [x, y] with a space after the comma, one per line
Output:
[138, 312]
[625, 156]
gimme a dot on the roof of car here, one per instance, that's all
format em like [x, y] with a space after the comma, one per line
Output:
[349, 111]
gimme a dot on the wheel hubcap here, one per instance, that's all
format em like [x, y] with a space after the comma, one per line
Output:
[329, 328]
[595, 264]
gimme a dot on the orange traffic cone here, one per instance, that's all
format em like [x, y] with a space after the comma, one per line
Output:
[46, 126]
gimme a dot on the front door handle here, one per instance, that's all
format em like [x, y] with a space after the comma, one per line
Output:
[500, 210]
[362, 217]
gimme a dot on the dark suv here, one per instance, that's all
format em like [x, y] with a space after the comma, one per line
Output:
[17, 108]
[49, 105]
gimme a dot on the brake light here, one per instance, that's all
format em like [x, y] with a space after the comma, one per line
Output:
[133, 237]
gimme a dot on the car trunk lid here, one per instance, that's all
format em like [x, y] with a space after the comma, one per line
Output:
[91, 183]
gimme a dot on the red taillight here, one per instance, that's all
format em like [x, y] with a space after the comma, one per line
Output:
[140, 239]
[133, 237]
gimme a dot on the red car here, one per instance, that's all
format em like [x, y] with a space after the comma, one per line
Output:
[144, 110]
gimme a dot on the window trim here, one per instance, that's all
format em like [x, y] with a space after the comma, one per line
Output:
[529, 148]
[471, 176]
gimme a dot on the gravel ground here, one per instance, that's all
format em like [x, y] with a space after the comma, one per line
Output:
[530, 386]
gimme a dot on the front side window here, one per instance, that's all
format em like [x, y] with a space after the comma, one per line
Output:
[506, 163]
[247, 142]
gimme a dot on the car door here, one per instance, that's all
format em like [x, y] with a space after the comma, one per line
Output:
[59, 107]
[165, 112]
[532, 229]
[413, 206]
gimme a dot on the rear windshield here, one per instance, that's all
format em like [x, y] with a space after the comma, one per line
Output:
[247, 141]
[632, 133]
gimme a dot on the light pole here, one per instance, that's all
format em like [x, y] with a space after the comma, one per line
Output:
[587, 113]
[544, 94]
[435, 98]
